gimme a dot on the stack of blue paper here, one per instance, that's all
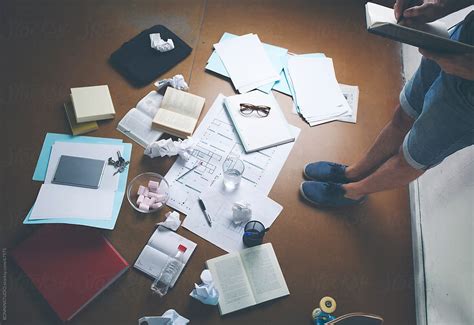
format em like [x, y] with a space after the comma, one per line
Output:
[40, 174]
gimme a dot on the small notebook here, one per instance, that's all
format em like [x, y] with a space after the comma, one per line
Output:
[247, 278]
[79, 171]
[179, 113]
[162, 245]
[69, 265]
[257, 133]
[92, 103]
[431, 36]
[78, 128]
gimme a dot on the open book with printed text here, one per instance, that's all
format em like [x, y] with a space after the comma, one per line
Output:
[179, 113]
[248, 277]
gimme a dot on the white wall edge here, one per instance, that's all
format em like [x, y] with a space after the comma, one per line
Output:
[418, 256]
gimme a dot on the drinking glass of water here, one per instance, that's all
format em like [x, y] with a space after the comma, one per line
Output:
[233, 169]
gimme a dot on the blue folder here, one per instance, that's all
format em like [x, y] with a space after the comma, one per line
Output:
[40, 174]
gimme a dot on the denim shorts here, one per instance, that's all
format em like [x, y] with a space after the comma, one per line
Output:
[443, 108]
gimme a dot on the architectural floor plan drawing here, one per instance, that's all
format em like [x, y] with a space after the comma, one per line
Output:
[216, 139]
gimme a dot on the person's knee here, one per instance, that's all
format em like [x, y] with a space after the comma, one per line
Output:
[401, 120]
[402, 164]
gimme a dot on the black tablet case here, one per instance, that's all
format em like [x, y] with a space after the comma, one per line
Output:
[140, 64]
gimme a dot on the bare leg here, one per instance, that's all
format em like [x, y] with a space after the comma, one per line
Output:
[395, 172]
[385, 146]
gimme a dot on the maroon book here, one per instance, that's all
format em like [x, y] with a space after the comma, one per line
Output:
[69, 265]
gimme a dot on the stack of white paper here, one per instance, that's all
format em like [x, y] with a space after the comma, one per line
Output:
[317, 93]
[246, 62]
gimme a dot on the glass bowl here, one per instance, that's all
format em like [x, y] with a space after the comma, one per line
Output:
[143, 179]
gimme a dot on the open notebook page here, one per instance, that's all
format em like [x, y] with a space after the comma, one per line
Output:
[162, 245]
[264, 273]
[231, 282]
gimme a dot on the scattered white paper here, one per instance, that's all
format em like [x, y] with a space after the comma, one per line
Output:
[62, 201]
[160, 44]
[169, 317]
[224, 233]
[215, 140]
[177, 82]
[172, 221]
[317, 93]
[206, 292]
[246, 62]
[168, 147]
[351, 93]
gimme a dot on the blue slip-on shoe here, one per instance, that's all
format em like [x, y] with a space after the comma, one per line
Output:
[325, 171]
[329, 195]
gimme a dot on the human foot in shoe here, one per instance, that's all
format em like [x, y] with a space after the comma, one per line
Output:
[330, 195]
[325, 171]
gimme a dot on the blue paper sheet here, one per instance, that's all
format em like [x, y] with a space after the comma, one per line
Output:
[275, 54]
[42, 165]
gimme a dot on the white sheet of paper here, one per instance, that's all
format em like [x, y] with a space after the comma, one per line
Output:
[62, 201]
[86, 150]
[224, 233]
[246, 62]
[216, 138]
[318, 94]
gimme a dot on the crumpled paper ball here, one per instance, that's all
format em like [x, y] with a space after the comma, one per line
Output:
[160, 44]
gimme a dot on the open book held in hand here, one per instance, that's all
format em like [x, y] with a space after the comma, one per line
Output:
[431, 36]
[247, 278]
[179, 113]
[258, 130]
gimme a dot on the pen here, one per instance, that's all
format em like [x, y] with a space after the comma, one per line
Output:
[408, 4]
[204, 210]
[185, 173]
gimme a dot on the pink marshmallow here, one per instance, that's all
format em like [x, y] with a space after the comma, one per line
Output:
[156, 205]
[153, 186]
[144, 207]
[147, 201]
[141, 190]
[140, 199]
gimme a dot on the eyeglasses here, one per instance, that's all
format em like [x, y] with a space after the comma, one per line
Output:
[247, 109]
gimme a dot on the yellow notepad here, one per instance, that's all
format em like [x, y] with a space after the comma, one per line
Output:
[92, 103]
[78, 128]
[179, 113]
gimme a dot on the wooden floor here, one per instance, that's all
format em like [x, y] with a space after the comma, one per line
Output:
[360, 256]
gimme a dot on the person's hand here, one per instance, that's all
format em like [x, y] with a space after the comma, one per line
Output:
[460, 65]
[412, 12]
